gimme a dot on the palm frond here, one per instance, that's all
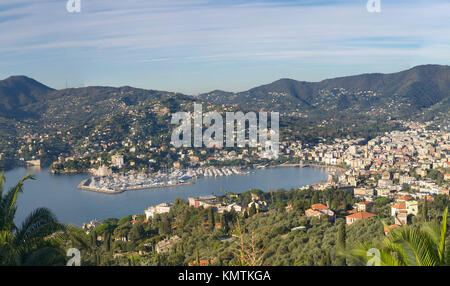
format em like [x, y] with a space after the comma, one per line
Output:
[76, 236]
[37, 225]
[45, 256]
[441, 249]
[418, 247]
[8, 204]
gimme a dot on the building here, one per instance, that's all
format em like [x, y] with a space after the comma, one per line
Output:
[318, 210]
[117, 161]
[383, 183]
[401, 218]
[236, 207]
[165, 245]
[204, 261]
[447, 177]
[158, 209]
[410, 207]
[361, 192]
[102, 171]
[204, 201]
[261, 206]
[363, 206]
[386, 176]
[350, 219]
[91, 225]
[228, 208]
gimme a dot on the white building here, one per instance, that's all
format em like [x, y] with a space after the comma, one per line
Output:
[117, 161]
[158, 209]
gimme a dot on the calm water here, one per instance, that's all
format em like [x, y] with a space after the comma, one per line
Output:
[71, 205]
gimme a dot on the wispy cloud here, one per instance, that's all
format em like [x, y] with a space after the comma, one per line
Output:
[141, 32]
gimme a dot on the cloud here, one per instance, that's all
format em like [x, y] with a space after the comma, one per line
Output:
[190, 31]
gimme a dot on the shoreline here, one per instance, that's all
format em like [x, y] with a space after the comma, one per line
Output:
[312, 165]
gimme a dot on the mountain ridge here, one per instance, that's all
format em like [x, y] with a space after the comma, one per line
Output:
[375, 95]
[17, 91]
[420, 86]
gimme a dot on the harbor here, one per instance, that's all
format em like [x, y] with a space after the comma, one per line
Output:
[118, 183]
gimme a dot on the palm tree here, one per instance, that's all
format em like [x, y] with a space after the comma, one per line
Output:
[410, 246]
[29, 243]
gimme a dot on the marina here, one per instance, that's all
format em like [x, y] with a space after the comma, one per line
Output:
[118, 183]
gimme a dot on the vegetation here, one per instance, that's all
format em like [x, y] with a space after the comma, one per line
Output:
[411, 246]
[278, 236]
[28, 244]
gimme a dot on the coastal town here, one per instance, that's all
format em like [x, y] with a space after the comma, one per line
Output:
[248, 135]
[406, 168]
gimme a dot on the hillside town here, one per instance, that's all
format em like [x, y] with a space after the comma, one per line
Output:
[407, 168]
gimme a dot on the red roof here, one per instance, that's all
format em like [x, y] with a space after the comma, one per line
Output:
[319, 207]
[361, 215]
[399, 206]
[391, 227]
[365, 203]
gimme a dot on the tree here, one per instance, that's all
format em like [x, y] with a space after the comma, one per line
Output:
[164, 227]
[94, 238]
[341, 243]
[211, 218]
[224, 223]
[136, 232]
[26, 245]
[108, 241]
[425, 210]
[315, 198]
[252, 210]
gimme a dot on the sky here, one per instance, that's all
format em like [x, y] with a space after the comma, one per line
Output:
[196, 46]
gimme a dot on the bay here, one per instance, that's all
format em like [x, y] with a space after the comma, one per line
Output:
[59, 193]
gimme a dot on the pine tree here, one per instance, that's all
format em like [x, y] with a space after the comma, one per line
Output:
[341, 243]
[315, 198]
[425, 210]
[224, 223]
[211, 218]
[252, 210]
[108, 241]
[94, 238]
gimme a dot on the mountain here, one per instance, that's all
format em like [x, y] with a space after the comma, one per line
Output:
[420, 93]
[402, 93]
[97, 119]
[18, 91]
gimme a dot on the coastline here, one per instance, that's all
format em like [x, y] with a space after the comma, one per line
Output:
[313, 165]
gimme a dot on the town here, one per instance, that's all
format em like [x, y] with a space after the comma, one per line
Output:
[396, 176]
